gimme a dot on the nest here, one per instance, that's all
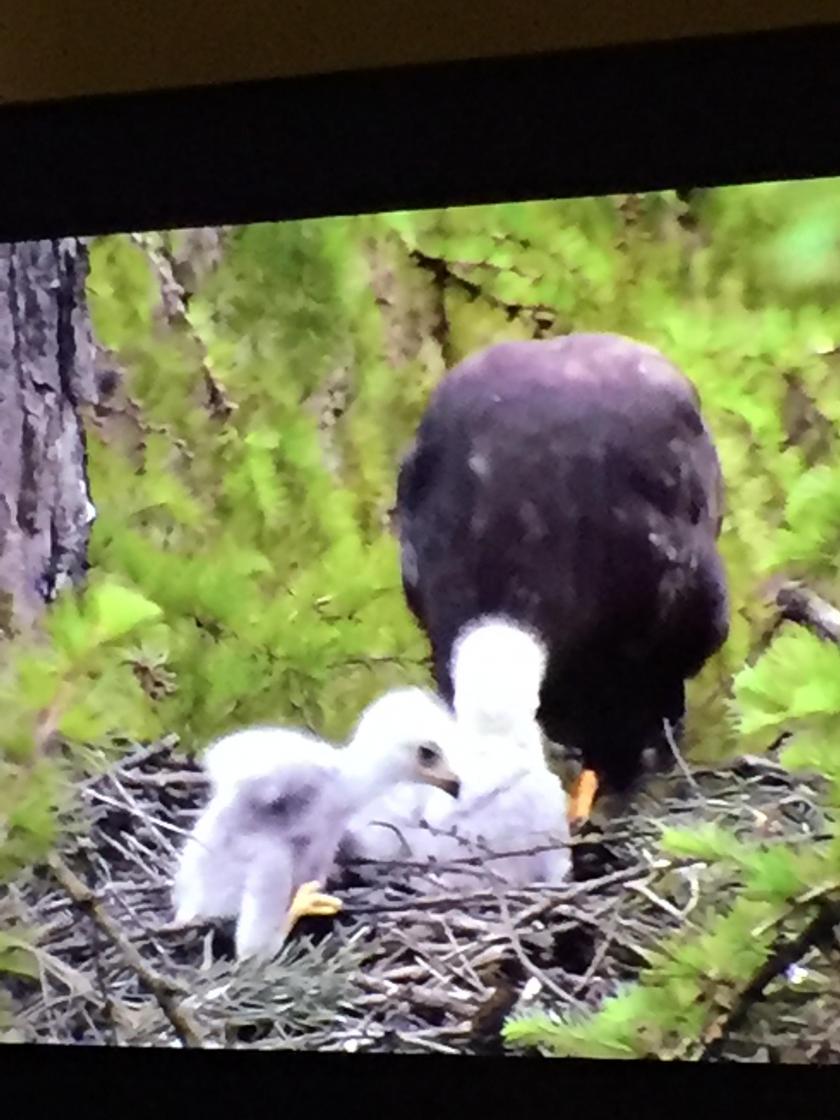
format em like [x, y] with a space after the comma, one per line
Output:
[402, 968]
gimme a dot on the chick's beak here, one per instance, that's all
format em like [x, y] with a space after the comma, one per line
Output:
[444, 779]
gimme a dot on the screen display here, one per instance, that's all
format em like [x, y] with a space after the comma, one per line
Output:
[421, 631]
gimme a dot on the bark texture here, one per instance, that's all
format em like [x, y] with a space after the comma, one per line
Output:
[46, 376]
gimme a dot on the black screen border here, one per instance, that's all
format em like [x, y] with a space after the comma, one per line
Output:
[694, 112]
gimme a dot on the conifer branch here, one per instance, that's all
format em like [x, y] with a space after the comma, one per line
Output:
[174, 301]
[445, 272]
[785, 954]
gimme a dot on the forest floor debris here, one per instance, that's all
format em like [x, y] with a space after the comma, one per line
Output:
[401, 969]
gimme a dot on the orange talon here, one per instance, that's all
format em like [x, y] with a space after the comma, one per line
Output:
[583, 796]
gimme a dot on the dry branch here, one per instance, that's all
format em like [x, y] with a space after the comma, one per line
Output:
[797, 604]
[164, 990]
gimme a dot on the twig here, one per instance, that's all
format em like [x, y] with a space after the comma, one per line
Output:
[527, 964]
[460, 863]
[164, 991]
[137, 758]
[600, 952]
[131, 807]
[426, 1043]
[457, 951]
[680, 761]
[552, 898]
[168, 778]
[797, 604]
[99, 972]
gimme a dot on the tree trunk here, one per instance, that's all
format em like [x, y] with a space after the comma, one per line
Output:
[46, 375]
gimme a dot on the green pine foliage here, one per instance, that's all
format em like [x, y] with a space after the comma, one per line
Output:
[242, 566]
[279, 591]
[76, 680]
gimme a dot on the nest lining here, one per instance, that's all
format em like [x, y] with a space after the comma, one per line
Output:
[405, 967]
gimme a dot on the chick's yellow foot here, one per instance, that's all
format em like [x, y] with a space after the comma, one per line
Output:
[309, 901]
[583, 796]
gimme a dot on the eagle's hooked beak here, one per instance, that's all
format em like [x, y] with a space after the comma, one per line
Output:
[444, 779]
[434, 769]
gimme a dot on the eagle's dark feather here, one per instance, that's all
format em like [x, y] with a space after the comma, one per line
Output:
[572, 485]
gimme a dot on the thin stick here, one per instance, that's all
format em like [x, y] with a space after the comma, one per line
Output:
[798, 604]
[165, 992]
[680, 761]
[527, 964]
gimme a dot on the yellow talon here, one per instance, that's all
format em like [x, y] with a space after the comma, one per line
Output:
[308, 901]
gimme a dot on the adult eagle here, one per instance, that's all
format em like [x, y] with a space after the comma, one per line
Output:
[571, 486]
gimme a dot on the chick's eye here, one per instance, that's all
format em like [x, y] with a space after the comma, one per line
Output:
[428, 754]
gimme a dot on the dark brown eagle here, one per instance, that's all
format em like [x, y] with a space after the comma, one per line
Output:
[571, 486]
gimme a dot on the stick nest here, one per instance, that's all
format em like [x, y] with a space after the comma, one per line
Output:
[402, 968]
